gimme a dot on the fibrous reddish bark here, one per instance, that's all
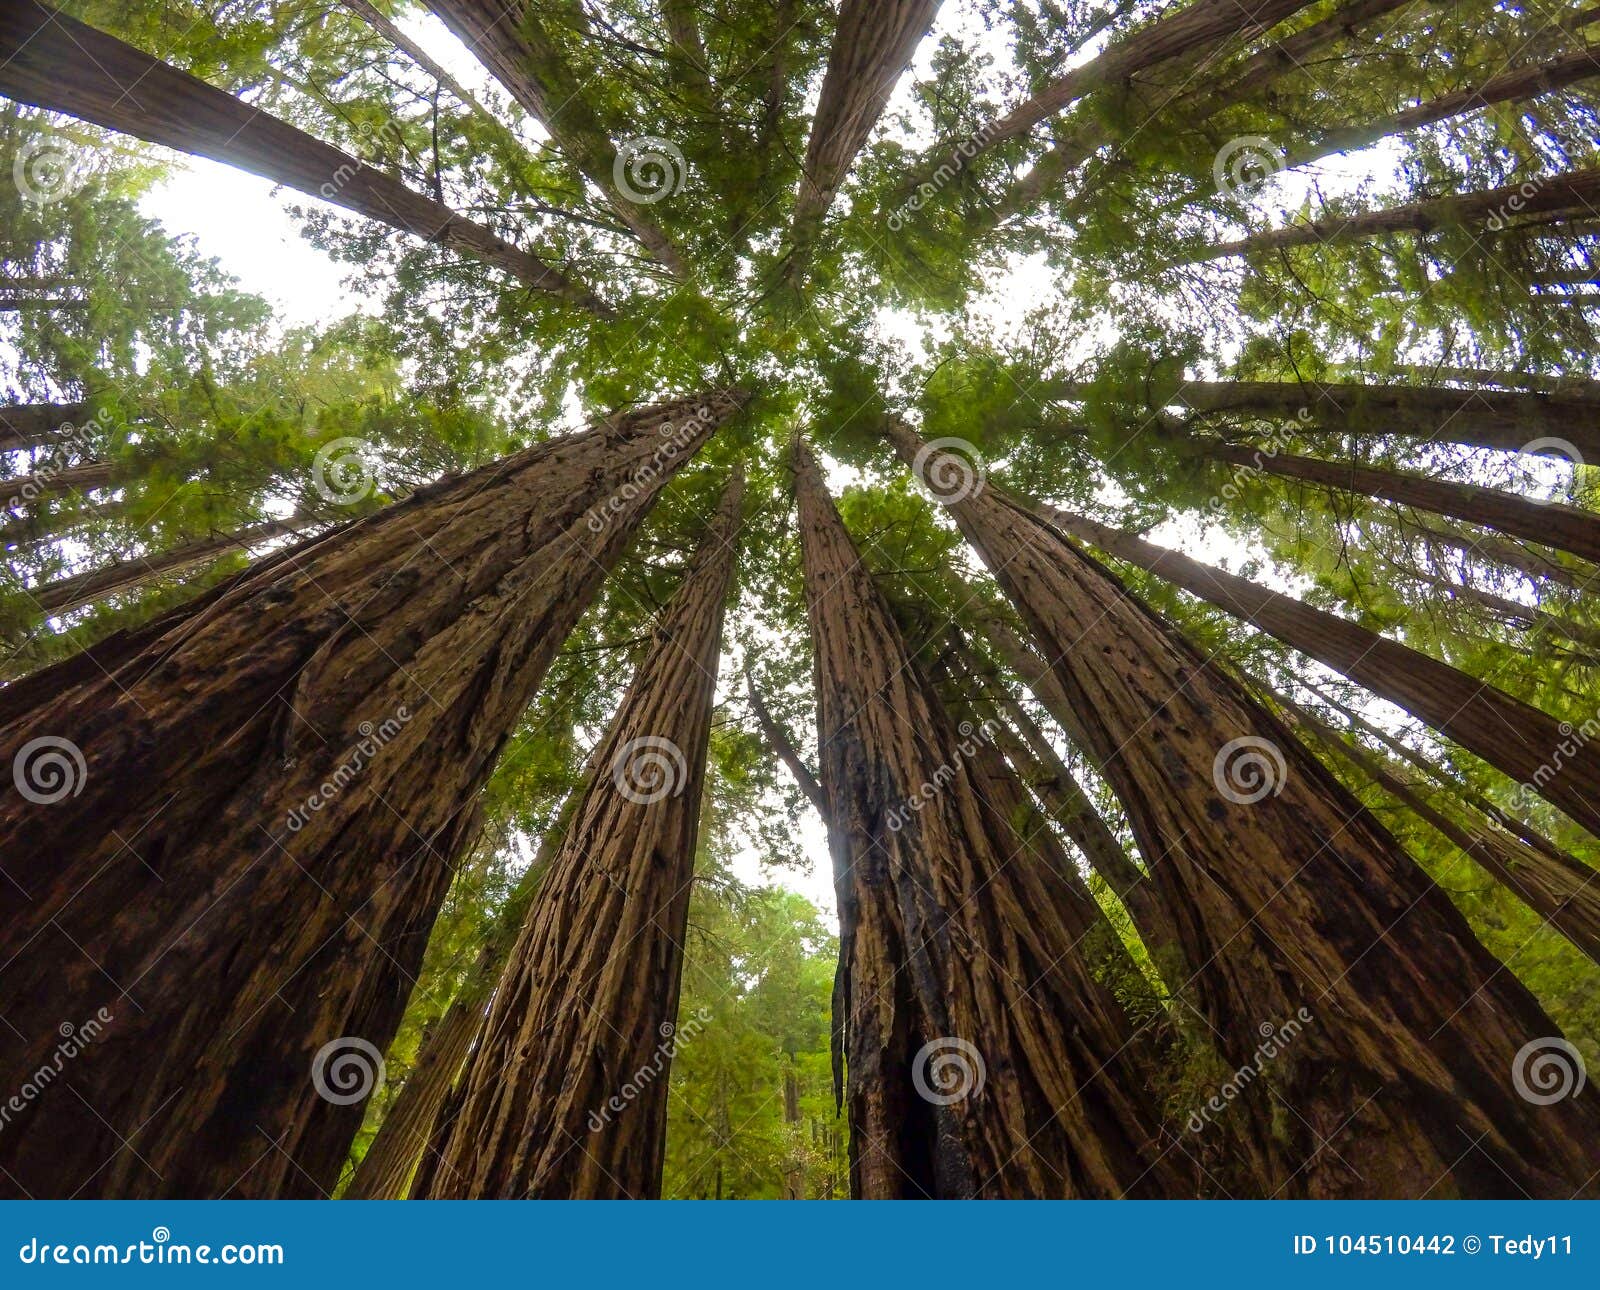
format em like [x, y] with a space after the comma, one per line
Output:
[958, 958]
[1290, 896]
[1567, 528]
[53, 61]
[873, 41]
[565, 1094]
[508, 37]
[254, 805]
[1574, 194]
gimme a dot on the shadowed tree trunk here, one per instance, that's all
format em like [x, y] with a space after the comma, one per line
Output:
[1525, 743]
[53, 61]
[565, 1095]
[237, 836]
[873, 42]
[1564, 893]
[1567, 528]
[1198, 31]
[84, 588]
[36, 425]
[509, 38]
[1292, 902]
[1572, 195]
[983, 1057]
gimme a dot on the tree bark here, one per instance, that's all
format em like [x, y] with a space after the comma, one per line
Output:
[36, 425]
[873, 43]
[508, 38]
[957, 955]
[396, 36]
[1564, 893]
[1567, 528]
[21, 489]
[1514, 556]
[1573, 194]
[80, 589]
[53, 61]
[1291, 896]
[565, 1095]
[261, 799]
[779, 741]
[1525, 743]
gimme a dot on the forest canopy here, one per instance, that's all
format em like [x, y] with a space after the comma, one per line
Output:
[1099, 489]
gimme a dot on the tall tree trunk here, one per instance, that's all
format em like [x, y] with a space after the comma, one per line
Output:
[1525, 743]
[1201, 30]
[873, 42]
[237, 836]
[1567, 528]
[80, 589]
[779, 741]
[1571, 387]
[1564, 893]
[1573, 194]
[565, 1095]
[1292, 902]
[53, 61]
[509, 38]
[22, 489]
[36, 425]
[984, 1059]
[1512, 422]
[1513, 555]
[391, 31]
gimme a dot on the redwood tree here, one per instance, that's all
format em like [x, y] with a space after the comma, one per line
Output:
[1290, 896]
[565, 1094]
[239, 820]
